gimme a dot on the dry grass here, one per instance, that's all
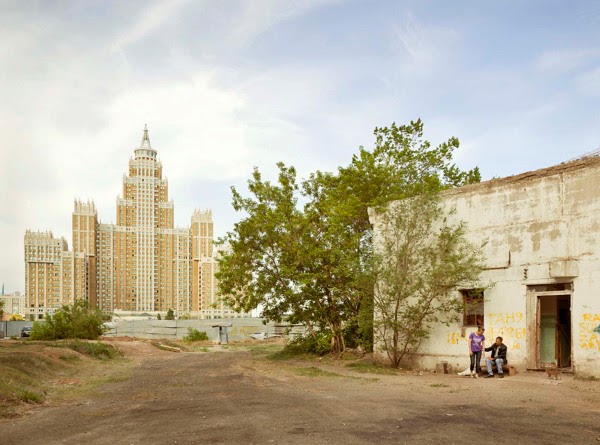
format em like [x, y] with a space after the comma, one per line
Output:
[29, 369]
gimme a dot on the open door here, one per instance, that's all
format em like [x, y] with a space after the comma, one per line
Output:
[555, 331]
[549, 327]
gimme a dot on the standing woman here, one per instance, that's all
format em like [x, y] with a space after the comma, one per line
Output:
[476, 344]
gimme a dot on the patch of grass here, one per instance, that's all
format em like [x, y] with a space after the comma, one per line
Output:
[22, 375]
[97, 350]
[372, 368]
[28, 370]
[264, 349]
[439, 385]
[313, 371]
[31, 397]
[69, 357]
[287, 354]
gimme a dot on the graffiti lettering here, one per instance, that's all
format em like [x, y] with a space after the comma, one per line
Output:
[508, 326]
[588, 330]
[453, 338]
[505, 318]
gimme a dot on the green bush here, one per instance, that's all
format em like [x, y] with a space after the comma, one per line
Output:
[195, 335]
[76, 321]
[170, 315]
[320, 345]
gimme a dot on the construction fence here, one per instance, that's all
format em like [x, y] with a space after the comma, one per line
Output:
[235, 328]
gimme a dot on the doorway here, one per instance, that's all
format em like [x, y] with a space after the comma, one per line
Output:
[555, 331]
[549, 327]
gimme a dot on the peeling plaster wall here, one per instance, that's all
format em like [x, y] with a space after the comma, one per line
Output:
[540, 227]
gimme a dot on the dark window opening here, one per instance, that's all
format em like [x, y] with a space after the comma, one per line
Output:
[473, 307]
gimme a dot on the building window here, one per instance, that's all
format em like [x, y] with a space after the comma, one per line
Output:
[473, 307]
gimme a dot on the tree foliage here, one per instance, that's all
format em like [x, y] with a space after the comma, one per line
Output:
[420, 261]
[75, 321]
[312, 263]
[170, 315]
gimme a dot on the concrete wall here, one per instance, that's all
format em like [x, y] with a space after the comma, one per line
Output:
[240, 329]
[540, 227]
[13, 328]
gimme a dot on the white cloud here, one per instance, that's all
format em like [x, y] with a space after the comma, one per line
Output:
[152, 18]
[420, 47]
[562, 61]
[251, 19]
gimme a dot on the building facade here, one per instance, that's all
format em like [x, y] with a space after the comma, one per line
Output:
[140, 264]
[13, 304]
[542, 253]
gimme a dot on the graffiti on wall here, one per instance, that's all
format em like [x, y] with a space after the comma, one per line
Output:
[589, 332]
[508, 325]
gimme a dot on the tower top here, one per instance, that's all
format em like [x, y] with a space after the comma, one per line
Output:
[145, 139]
[145, 150]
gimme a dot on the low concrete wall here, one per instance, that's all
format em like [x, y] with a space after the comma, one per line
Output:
[238, 328]
[13, 328]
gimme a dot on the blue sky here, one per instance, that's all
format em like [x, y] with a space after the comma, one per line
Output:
[228, 85]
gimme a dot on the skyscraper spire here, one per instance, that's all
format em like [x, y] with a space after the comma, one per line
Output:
[145, 139]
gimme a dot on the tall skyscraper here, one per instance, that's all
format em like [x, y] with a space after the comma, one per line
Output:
[141, 264]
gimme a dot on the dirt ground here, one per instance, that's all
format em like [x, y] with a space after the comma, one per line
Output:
[239, 396]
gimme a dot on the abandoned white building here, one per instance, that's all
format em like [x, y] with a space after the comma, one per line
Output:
[543, 255]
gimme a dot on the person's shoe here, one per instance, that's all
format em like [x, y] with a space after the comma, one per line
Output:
[476, 375]
[501, 376]
[490, 376]
[472, 374]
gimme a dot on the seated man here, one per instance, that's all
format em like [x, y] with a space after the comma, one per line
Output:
[498, 357]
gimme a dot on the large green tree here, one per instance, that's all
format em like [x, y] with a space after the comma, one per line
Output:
[421, 258]
[312, 263]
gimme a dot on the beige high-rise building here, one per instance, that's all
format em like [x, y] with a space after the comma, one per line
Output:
[141, 264]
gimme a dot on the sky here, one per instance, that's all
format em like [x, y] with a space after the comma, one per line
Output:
[225, 86]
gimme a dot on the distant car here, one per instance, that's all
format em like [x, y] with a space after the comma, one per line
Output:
[26, 331]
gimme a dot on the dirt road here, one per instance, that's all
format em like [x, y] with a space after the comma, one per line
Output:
[240, 397]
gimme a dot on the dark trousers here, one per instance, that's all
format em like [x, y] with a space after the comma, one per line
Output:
[476, 361]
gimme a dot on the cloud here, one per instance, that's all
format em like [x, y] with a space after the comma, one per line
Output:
[252, 19]
[566, 60]
[419, 47]
[151, 20]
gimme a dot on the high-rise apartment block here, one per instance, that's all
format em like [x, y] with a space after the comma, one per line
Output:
[140, 264]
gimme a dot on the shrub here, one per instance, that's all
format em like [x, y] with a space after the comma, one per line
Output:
[170, 315]
[97, 350]
[320, 345]
[195, 335]
[76, 321]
